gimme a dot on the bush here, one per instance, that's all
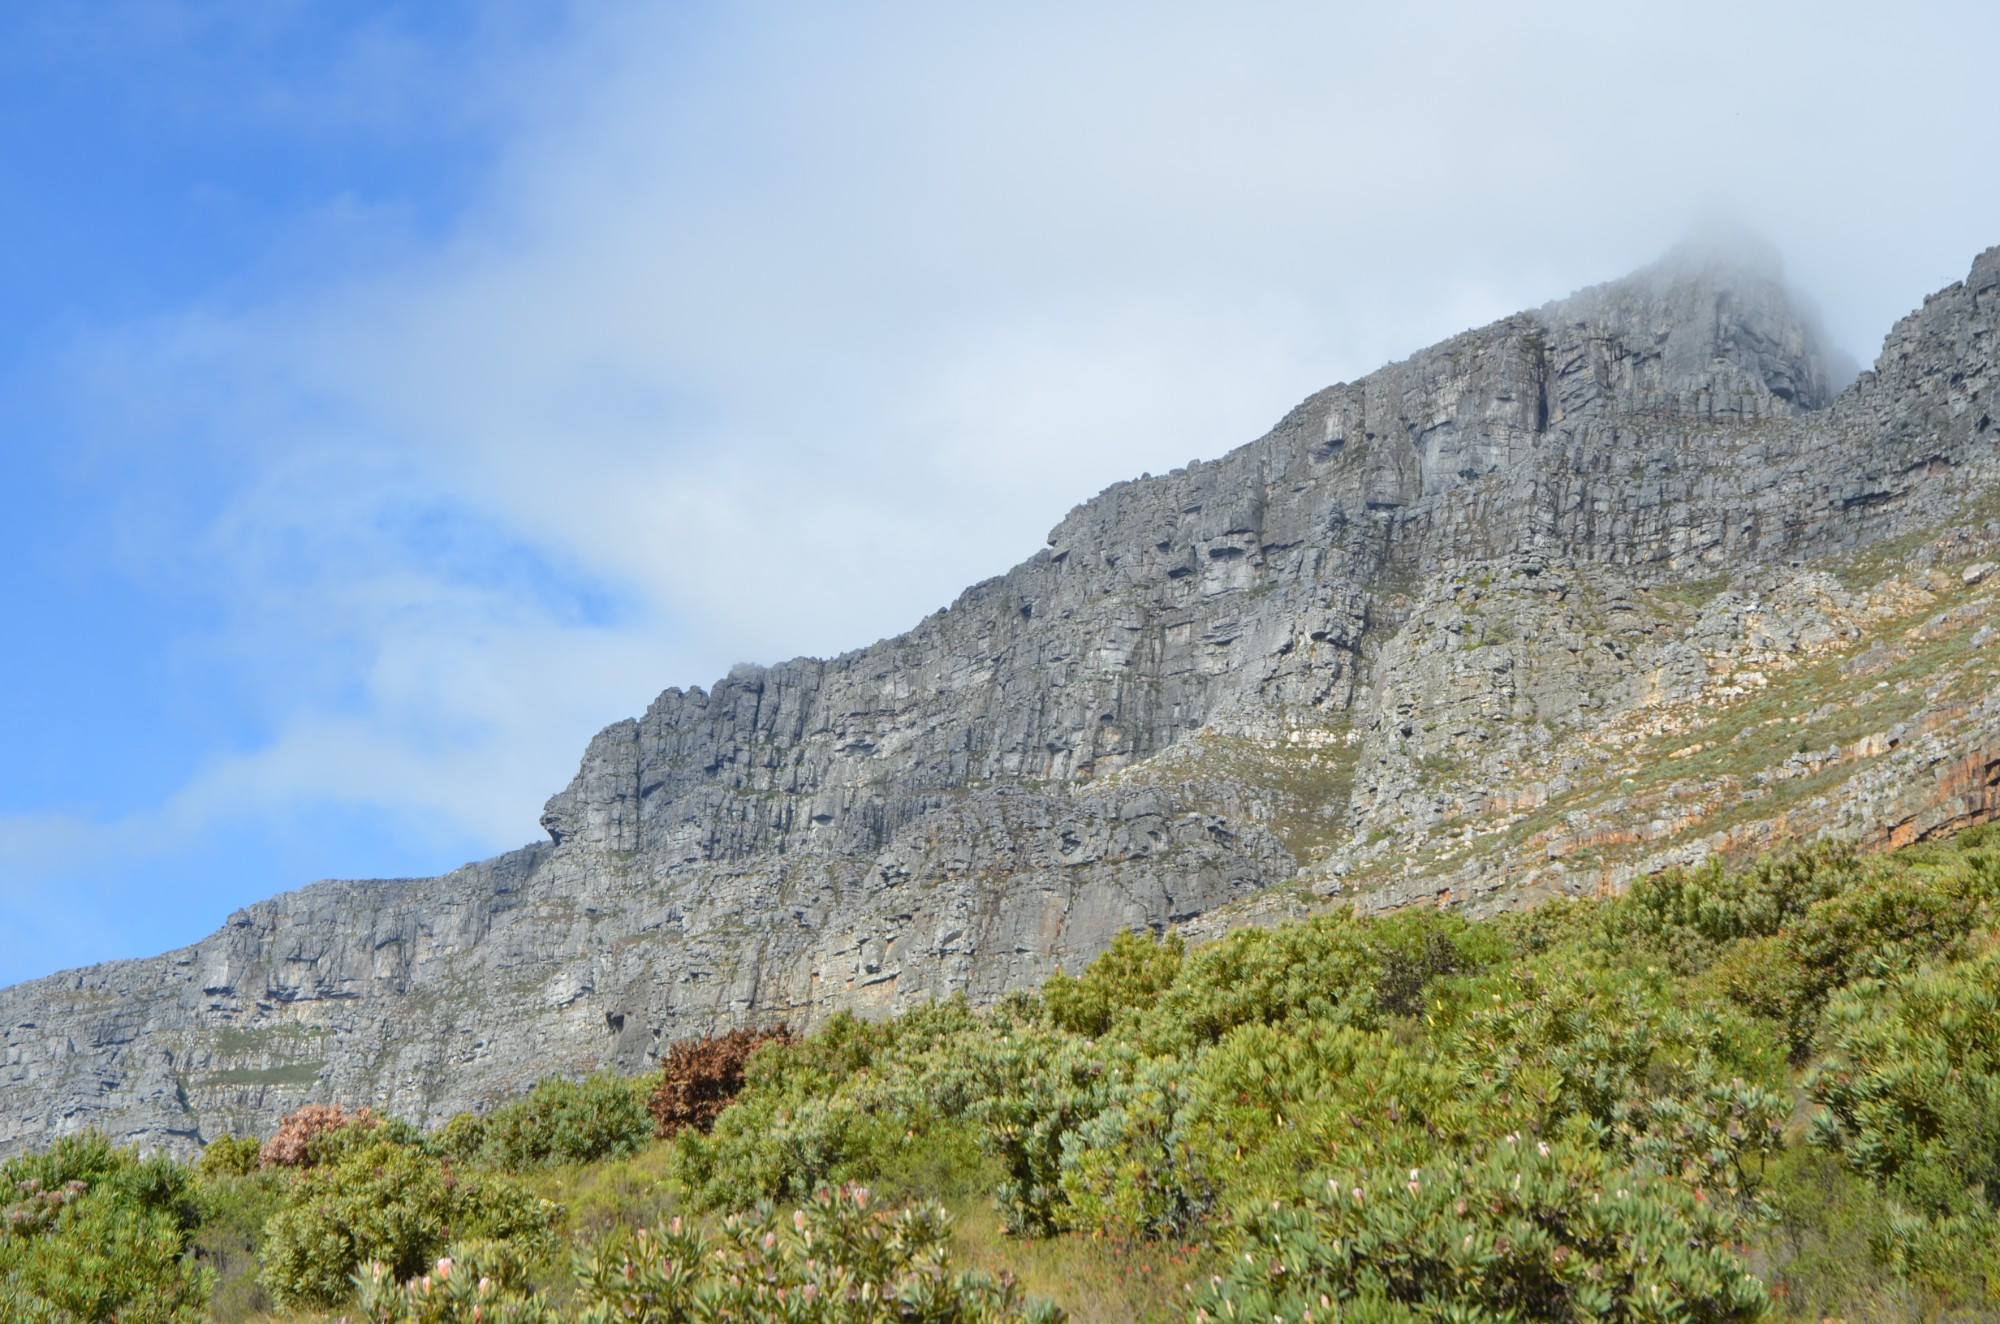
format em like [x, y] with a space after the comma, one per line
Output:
[699, 1077]
[568, 1121]
[1039, 1092]
[297, 1143]
[1885, 919]
[1408, 969]
[97, 1233]
[461, 1139]
[1687, 915]
[93, 1166]
[888, 1101]
[234, 1208]
[1912, 1085]
[1589, 1098]
[1321, 968]
[388, 1202]
[1911, 1100]
[1183, 1139]
[228, 1156]
[1335, 968]
[835, 1261]
[475, 1282]
[1133, 971]
[1529, 1230]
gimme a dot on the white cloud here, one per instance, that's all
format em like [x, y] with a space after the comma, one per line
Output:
[773, 329]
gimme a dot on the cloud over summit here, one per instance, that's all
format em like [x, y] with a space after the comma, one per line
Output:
[750, 333]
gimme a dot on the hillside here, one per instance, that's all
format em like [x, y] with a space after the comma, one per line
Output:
[1727, 1094]
[1607, 586]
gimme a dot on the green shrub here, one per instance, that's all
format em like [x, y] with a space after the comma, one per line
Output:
[1335, 969]
[1911, 1087]
[569, 1121]
[835, 1261]
[1040, 1091]
[233, 1212]
[1241, 1121]
[388, 1202]
[1691, 1091]
[102, 1261]
[781, 1149]
[1686, 915]
[1181, 1139]
[101, 1169]
[228, 1156]
[1911, 1099]
[1133, 971]
[1529, 1230]
[474, 1282]
[850, 1100]
[1129, 1168]
[1820, 1255]
[462, 1139]
[1886, 917]
[93, 1232]
[1321, 968]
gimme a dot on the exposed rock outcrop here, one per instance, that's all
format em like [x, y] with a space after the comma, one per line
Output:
[1446, 635]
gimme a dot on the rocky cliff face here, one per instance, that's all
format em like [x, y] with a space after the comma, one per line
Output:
[1599, 588]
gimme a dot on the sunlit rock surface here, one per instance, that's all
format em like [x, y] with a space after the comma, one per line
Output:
[1597, 589]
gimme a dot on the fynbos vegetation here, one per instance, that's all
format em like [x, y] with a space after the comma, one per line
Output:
[700, 1076]
[1730, 1094]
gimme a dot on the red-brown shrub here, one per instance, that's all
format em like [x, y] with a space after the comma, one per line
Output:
[698, 1077]
[292, 1146]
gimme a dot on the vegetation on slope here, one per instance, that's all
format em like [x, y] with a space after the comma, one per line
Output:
[1725, 1095]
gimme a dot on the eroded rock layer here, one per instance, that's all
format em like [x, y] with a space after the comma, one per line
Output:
[1596, 589]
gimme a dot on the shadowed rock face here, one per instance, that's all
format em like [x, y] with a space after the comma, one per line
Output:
[1358, 656]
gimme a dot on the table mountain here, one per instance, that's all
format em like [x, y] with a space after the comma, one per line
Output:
[1600, 588]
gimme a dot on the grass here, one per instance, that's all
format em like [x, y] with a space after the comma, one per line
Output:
[1094, 1278]
[1098, 1280]
[1819, 1258]
[1689, 592]
[1308, 785]
[1890, 558]
[596, 1196]
[1811, 707]
[1305, 786]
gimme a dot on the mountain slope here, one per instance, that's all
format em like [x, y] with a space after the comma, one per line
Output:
[1563, 598]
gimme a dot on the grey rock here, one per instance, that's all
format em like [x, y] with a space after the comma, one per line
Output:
[1423, 608]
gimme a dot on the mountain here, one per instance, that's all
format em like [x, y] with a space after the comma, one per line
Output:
[1600, 588]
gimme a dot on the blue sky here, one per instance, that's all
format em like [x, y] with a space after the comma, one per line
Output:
[392, 395]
